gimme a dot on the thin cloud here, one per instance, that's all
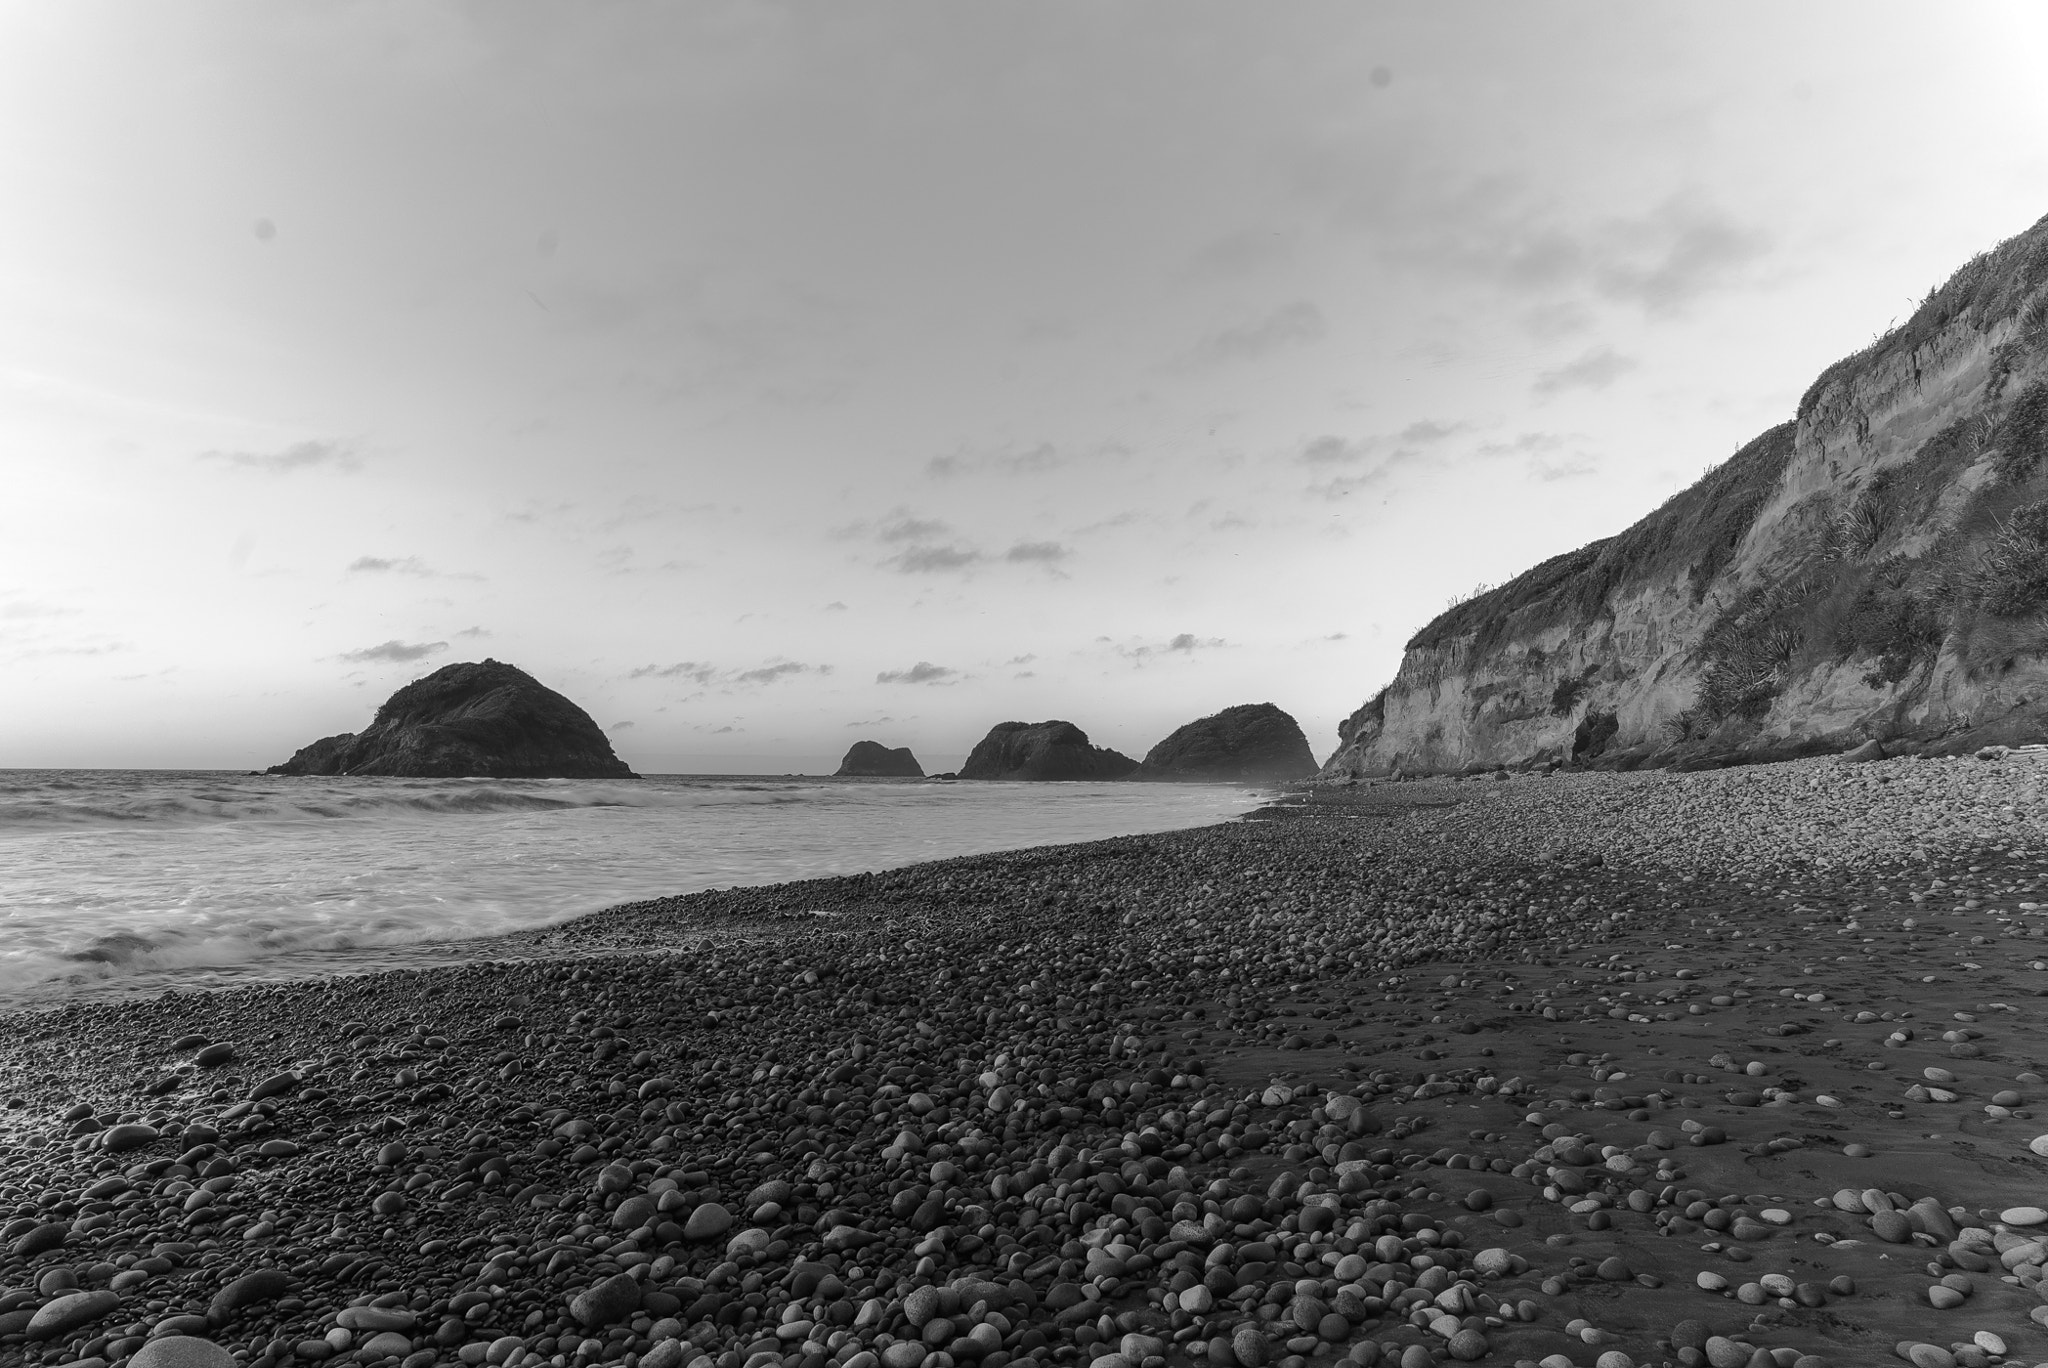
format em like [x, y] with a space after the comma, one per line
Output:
[934, 560]
[902, 527]
[706, 675]
[1499, 230]
[1036, 460]
[1239, 254]
[472, 632]
[1180, 644]
[619, 726]
[310, 455]
[1291, 325]
[768, 674]
[403, 565]
[1039, 553]
[394, 652]
[924, 672]
[835, 606]
[1594, 369]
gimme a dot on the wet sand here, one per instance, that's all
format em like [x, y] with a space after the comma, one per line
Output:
[1741, 1067]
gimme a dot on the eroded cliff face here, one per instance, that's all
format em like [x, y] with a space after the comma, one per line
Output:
[1876, 567]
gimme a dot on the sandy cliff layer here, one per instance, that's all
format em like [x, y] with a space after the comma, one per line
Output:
[1875, 567]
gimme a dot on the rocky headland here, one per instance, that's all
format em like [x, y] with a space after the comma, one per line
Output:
[1043, 751]
[1253, 743]
[873, 760]
[1875, 567]
[482, 719]
[1599, 1070]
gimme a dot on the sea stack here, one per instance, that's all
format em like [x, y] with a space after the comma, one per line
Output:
[480, 719]
[1252, 743]
[873, 760]
[1043, 751]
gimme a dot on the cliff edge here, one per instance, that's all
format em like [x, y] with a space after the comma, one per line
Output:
[1874, 568]
[473, 720]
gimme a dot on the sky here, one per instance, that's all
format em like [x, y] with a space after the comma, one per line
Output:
[767, 377]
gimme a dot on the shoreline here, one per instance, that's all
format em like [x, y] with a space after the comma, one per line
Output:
[1525, 1054]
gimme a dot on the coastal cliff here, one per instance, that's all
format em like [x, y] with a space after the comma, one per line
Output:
[1043, 750]
[472, 720]
[1876, 568]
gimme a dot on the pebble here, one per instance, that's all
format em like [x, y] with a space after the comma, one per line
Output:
[2024, 1216]
[607, 1303]
[181, 1351]
[68, 1312]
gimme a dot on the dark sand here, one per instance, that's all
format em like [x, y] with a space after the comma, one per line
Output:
[1739, 1068]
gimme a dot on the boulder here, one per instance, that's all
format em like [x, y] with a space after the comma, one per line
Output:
[1043, 750]
[1250, 743]
[481, 719]
[873, 760]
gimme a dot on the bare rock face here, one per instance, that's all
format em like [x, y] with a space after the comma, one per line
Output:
[873, 760]
[1875, 568]
[474, 720]
[1251, 743]
[1043, 750]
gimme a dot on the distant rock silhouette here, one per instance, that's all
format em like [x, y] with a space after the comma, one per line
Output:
[1043, 750]
[873, 760]
[472, 720]
[1250, 743]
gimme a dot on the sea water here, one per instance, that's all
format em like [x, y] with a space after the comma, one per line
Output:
[114, 882]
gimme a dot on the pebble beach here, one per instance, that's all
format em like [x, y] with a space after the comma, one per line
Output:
[1738, 1068]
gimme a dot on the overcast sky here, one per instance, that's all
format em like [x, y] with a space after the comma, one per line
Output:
[766, 377]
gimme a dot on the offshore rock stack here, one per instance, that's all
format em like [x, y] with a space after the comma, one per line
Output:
[1415, 1074]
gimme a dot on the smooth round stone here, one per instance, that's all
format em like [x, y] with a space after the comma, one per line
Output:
[1926, 1355]
[1892, 1227]
[132, 1135]
[367, 1320]
[2039, 1145]
[708, 1222]
[41, 1239]
[1251, 1346]
[1198, 1300]
[1614, 1358]
[1944, 1298]
[609, 1302]
[1856, 1151]
[384, 1344]
[1493, 1262]
[181, 1351]
[1776, 1216]
[1710, 1281]
[2024, 1216]
[1467, 1346]
[752, 1240]
[1723, 1352]
[262, 1285]
[70, 1311]
[1987, 1341]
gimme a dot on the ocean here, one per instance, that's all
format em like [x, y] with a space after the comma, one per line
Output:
[125, 882]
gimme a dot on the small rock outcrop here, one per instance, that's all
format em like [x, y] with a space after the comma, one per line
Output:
[1253, 743]
[1043, 750]
[473, 720]
[873, 760]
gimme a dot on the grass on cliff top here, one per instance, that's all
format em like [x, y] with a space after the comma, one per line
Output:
[1988, 287]
[1698, 529]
